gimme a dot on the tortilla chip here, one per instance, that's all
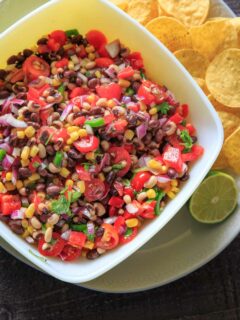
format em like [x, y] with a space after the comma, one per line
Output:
[230, 122]
[143, 10]
[221, 162]
[202, 84]
[231, 150]
[122, 4]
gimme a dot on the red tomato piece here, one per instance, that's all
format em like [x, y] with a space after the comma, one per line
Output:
[43, 48]
[77, 239]
[116, 202]
[145, 93]
[112, 211]
[55, 249]
[110, 238]
[172, 157]
[53, 45]
[127, 238]
[120, 125]
[140, 179]
[35, 163]
[133, 106]
[17, 76]
[79, 121]
[176, 118]
[33, 67]
[10, 203]
[44, 115]
[87, 144]
[60, 134]
[104, 62]
[78, 91]
[59, 36]
[82, 53]
[129, 191]
[109, 91]
[196, 152]
[136, 60]
[191, 129]
[185, 110]
[119, 224]
[126, 73]
[96, 38]
[94, 190]
[70, 253]
[62, 63]
[173, 140]
[35, 93]
[109, 118]
[103, 51]
[148, 210]
[121, 155]
[119, 187]
[82, 173]
[129, 147]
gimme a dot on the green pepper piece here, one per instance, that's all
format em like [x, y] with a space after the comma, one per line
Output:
[72, 32]
[157, 209]
[95, 123]
[79, 227]
[2, 154]
[163, 108]
[61, 89]
[58, 159]
[128, 232]
[129, 92]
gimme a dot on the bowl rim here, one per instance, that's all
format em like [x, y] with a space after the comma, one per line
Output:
[218, 144]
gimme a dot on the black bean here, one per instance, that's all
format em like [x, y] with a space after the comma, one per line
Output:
[4, 94]
[136, 85]
[132, 119]
[72, 153]
[44, 136]
[27, 53]
[185, 177]
[61, 52]
[53, 190]
[172, 173]
[69, 73]
[4, 218]
[42, 172]
[40, 187]
[118, 61]
[26, 113]
[71, 163]
[159, 135]
[100, 230]
[24, 172]
[35, 125]
[3, 74]
[111, 177]
[93, 254]
[93, 83]
[50, 150]
[70, 52]
[77, 39]
[16, 226]
[153, 124]
[34, 117]
[99, 222]
[79, 82]
[194, 139]
[13, 59]
[42, 41]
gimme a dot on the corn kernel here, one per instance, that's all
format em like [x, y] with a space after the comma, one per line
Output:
[9, 176]
[24, 223]
[41, 195]
[74, 136]
[56, 82]
[19, 184]
[66, 148]
[89, 245]
[90, 156]
[154, 164]
[91, 56]
[21, 134]
[171, 195]
[25, 234]
[131, 223]
[81, 186]
[25, 153]
[124, 83]
[164, 169]
[30, 229]
[26, 182]
[82, 133]
[25, 163]
[90, 49]
[64, 172]
[129, 134]
[10, 186]
[98, 74]
[67, 46]
[69, 183]
[34, 151]
[2, 188]
[90, 98]
[101, 176]
[72, 129]
[111, 103]
[30, 131]
[84, 253]
[34, 177]
[174, 183]
[174, 189]
[151, 194]
[69, 141]
[153, 111]
[70, 65]
[30, 211]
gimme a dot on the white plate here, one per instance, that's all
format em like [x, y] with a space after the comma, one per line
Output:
[181, 247]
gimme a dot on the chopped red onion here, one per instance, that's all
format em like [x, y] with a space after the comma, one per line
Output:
[162, 121]
[29, 239]
[65, 235]
[82, 77]
[48, 106]
[14, 175]
[122, 229]
[113, 48]
[90, 228]
[5, 146]
[14, 109]
[16, 152]
[9, 120]
[127, 100]
[18, 214]
[18, 102]
[111, 72]
[163, 179]
[66, 111]
[105, 161]
[105, 81]
[142, 161]
[7, 162]
[131, 208]
[110, 220]
[141, 131]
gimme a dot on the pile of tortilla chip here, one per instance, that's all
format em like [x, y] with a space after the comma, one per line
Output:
[209, 48]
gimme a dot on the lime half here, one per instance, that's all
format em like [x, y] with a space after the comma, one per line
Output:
[215, 199]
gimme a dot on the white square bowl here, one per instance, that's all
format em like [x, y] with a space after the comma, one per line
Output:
[162, 67]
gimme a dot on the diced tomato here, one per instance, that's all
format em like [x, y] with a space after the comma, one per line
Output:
[140, 179]
[185, 110]
[196, 152]
[55, 249]
[79, 121]
[60, 134]
[53, 45]
[35, 163]
[59, 36]
[116, 202]
[109, 91]
[44, 115]
[9, 203]
[148, 210]
[119, 187]
[103, 51]
[78, 91]
[82, 52]
[119, 224]
[120, 125]
[82, 173]
[94, 190]
[145, 93]
[33, 67]
[62, 63]
[70, 253]
[87, 144]
[191, 129]
[110, 238]
[121, 155]
[172, 157]
[43, 48]
[126, 73]
[176, 118]
[77, 239]
[16, 76]
[133, 106]
[139, 208]
[109, 118]
[127, 238]
[129, 147]
[136, 60]
[173, 140]
[35, 93]
[104, 62]
[112, 211]
[96, 38]
[129, 191]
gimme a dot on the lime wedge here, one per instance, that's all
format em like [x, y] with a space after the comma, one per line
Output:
[215, 199]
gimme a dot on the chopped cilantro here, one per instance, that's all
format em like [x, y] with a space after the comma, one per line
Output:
[142, 74]
[64, 190]
[36, 164]
[60, 206]
[126, 182]
[75, 195]
[184, 122]
[118, 166]
[187, 141]
[128, 232]
[83, 228]
[163, 108]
